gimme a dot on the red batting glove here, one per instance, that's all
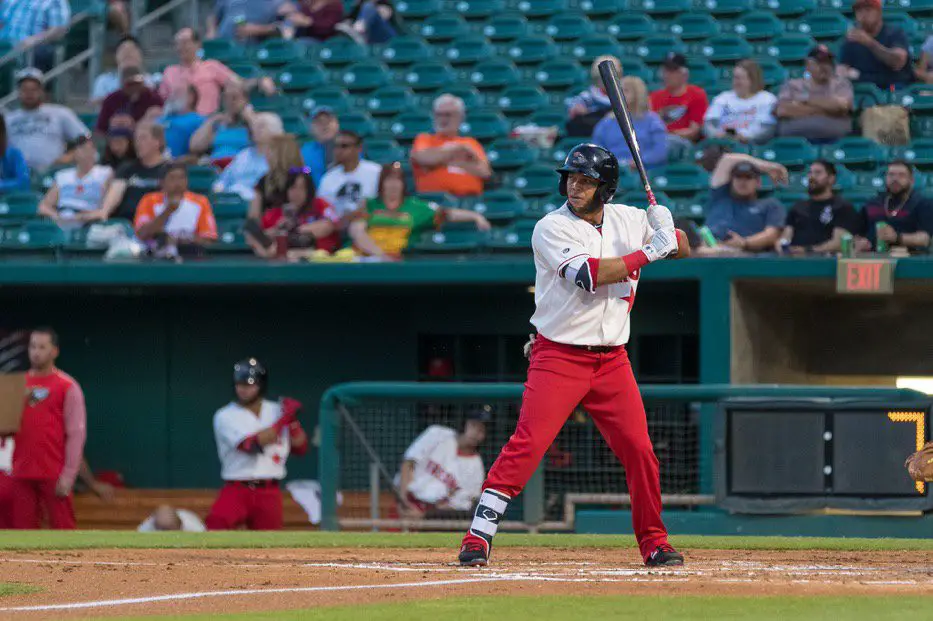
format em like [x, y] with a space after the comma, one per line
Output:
[290, 407]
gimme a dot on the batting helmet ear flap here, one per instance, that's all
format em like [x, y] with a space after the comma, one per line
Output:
[562, 188]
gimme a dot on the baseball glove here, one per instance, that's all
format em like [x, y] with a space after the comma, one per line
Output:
[920, 464]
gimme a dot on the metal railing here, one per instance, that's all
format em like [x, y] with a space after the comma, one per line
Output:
[139, 19]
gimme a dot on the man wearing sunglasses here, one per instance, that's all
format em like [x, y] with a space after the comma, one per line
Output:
[352, 179]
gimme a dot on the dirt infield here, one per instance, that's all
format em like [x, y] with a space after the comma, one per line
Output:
[94, 583]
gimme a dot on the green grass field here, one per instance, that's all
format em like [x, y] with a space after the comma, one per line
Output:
[667, 604]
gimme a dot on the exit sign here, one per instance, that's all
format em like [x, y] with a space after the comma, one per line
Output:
[861, 276]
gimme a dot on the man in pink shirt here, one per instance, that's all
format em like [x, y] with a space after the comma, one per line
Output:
[207, 76]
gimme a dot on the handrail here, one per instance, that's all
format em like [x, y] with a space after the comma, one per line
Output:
[16, 52]
[148, 18]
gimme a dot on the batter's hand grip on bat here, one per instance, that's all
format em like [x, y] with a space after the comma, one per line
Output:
[610, 77]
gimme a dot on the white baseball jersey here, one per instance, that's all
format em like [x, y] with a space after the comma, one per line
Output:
[568, 307]
[441, 472]
[233, 424]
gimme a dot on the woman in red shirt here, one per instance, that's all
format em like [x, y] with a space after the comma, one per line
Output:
[307, 220]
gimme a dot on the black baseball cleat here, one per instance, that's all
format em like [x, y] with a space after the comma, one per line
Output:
[474, 552]
[664, 556]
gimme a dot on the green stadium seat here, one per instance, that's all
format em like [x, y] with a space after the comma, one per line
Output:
[774, 73]
[901, 19]
[229, 205]
[722, 49]
[638, 198]
[334, 97]
[512, 239]
[701, 70]
[384, 151]
[440, 28]
[634, 67]
[201, 178]
[568, 27]
[723, 8]
[417, 9]
[758, 26]
[493, 74]
[338, 52]
[223, 50]
[77, 241]
[868, 95]
[690, 207]
[680, 179]
[365, 76]
[478, 9]
[660, 7]
[521, 100]
[510, 154]
[33, 236]
[404, 50]
[559, 74]
[18, 207]
[499, 205]
[278, 103]
[279, 52]
[786, 8]
[301, 78]
[921, 126]
[549, 117]
[408, 125]
[245, 69]
[792, 152]
[632, 27]
[430, 75]
[484, 126]
[919, 153]
[534, 180]
[654, 49]
[693, 26]
[389, 101]
[447, 241]
[358, 122]
[588, 48]
[230, 238]
[824, 27]
[599, 9]
[788, 48]
[444, 199]
[468, 50]
[506, 27]
[539, 9]
[855, 152]
[471, 97]
[532, 50]
[917, 98]
[536, 208]
[558, 153]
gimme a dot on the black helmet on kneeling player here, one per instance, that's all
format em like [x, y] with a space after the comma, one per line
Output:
[596, 163]
[250, 371]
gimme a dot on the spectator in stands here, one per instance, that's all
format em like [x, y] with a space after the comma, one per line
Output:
[135, 98]
[136, 179]
[181, 122]
[319, 154]
[119, 148]
[79, 191]
[373, 21]
[118, 14]
[247, 20]
[817, 107]
[250, 164]
[649, 128]
[746, 113]
[383, 225]
[14, 172]
[283, 157]
[445, 161]
[589, 107]
[128, 53]
[35, 25]
[317, 19]
[875, 52]
[237, 114]
[442, 471]
[735, 214]
[166, 518]
[680, 105]
[306, 220]
[900, 215]
[818, 223]
[41, 131]
[352, 178]
[175, 217]
[924, 69]
[209, 77]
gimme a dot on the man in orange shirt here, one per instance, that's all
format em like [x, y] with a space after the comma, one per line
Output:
[175, 217]
[445, 161]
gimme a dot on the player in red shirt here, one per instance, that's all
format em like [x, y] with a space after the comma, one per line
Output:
[50, 440]
[680, 105]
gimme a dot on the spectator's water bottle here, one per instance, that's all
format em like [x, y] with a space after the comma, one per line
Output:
[847, 245]
[880, 244]
[707, 236]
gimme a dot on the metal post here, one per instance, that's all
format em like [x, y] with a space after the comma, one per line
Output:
[328, 466]
[136, 11]
[533, 499]
[374, 493]
[97, 34]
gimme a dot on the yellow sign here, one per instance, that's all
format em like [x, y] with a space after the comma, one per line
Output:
[919, 420]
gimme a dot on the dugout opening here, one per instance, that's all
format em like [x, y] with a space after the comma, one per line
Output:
[803, 332]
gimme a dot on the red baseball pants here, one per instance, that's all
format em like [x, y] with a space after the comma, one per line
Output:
[559, 378]
[259, 508]
[31, 498]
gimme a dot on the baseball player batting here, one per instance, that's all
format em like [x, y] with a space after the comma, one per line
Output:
[588, 257]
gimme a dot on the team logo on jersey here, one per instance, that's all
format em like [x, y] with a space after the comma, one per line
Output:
[37, 394]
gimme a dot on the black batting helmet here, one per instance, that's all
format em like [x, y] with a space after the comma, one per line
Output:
[596, 163]
[251, 371]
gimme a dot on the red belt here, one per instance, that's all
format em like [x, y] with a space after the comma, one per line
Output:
[261, 483]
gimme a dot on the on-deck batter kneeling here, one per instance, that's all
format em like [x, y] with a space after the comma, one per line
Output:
[588, 255]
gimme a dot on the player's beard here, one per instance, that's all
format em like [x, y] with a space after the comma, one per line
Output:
[593, 206]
